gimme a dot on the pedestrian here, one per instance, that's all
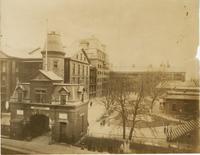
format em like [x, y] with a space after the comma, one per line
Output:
[121, 148]
[91, 104]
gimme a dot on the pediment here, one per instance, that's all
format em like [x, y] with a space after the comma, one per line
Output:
[81, 56]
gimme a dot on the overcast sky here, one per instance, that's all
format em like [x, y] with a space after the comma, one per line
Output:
[139, 32]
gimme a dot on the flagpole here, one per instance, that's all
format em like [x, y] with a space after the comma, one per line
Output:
[46, 61]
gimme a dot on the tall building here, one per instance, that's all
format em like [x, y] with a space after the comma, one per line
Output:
[9, 75]
[98, 57]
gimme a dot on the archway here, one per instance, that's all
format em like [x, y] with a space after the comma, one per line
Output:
[39, 124]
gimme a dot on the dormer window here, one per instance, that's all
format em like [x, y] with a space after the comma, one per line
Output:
[41, 95]
[63, 99]
[64, 95]
[20, 95]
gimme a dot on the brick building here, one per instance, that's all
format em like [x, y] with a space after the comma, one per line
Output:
[52, 101]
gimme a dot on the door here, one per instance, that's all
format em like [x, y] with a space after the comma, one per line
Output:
[63, 127]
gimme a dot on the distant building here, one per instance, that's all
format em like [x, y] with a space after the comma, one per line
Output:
[51, 100]
[99, 59]
[170, 74]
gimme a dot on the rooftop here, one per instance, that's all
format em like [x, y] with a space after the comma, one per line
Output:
[183, 97]
[51, 75]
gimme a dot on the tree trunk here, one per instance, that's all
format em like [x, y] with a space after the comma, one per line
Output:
[152, 104]
[131, 132]
[124, 128]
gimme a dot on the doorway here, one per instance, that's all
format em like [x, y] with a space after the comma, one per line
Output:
[63, 127]
[39, 124]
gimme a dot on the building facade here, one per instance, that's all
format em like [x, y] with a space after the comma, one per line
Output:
[168, 74]
[181, 100]
[46, 104]
[9, 75]
[15, 69]
[93, 78]
[52, 101]
[98, 57]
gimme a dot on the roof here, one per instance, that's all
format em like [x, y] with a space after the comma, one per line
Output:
[183, 97]
[19, 53]
[186, 85]
[51, 75]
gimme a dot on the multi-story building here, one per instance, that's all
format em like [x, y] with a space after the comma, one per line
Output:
[52, 101]
[72, 65]
[99, 59]
[9, 75]
[15, 67]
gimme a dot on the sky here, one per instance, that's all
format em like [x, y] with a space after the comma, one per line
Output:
[139, 32]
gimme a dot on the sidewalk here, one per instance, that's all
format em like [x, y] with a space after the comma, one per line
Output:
[33, 147]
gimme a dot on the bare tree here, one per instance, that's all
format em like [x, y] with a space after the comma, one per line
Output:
[155, 83]
[121, 91]
[109, 98]
[135, 105]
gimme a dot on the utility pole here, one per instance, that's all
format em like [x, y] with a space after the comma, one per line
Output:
[0, 43]
[46, 60]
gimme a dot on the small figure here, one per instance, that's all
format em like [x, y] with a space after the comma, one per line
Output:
[121, 148]
[91, 104]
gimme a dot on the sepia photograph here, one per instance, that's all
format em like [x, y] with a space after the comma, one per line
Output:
[99, 76]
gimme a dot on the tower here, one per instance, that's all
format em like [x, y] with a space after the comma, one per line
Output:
[55, 54]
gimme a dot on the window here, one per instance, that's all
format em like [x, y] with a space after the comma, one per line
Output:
[63, 99]
[73, 70]
[78, 80]
[55, 64]
[87, 70]
[81, 56]
[3, 82]
[3, 66]
[16, 68]
[74, 80]
[82, 123]
[83, 71]
[20, 96]
[41, 95]
[78, 69]
[173, 107]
